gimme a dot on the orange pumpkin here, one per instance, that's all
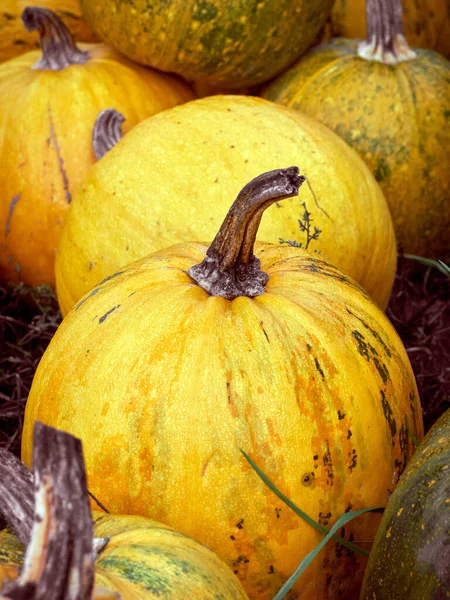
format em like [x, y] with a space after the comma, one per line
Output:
[48, 105]
[171, 367]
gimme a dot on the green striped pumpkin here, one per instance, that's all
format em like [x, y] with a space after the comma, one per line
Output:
[145, 560]
[410, 558]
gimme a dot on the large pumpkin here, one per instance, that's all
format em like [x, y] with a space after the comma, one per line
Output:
[393, 107]
[410, 557]
[132, 557]
[427, 22]
[170, 180]
[14, 40]
[218, 43]
[168, 369]
[48, 105]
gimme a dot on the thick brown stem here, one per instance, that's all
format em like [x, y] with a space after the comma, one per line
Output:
[59, 562]
[230, 268]
[57, 45]
[107, 131]
[386, 40]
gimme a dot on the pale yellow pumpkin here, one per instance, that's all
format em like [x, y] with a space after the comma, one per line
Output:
[171, 179]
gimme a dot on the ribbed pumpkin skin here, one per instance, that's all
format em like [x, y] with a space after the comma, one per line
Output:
[218, 43]
[46, 122]
[15, 40]
[165, 384]
[203, 153]
[426, 22]
[410, 557]
[396, 118]
[145, 560]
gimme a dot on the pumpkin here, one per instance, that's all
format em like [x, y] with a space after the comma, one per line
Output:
[427, 23]
[14, 40]
[48, 105]
[203, 153]
[217, 43]
[169, 369]
[134, 557]
[392, 106]
[410, 557]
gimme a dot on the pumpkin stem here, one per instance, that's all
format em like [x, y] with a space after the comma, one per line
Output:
[386, 42]
[58, 47]
[59, 561]
[230, 269]
[107, 131]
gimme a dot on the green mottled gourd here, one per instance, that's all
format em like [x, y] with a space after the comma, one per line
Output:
[219, 44]
[410, 558]
[392, 105]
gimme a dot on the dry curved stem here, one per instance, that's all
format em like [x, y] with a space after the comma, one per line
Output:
[107, 131]
[16, 495]
[386, 40]
[230, 269]
[59, 561]
[58, 47]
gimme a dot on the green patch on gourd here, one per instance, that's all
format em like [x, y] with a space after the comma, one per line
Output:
[137, 572]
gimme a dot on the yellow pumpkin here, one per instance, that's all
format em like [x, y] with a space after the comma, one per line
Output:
[427, 22]
[168, 369]
[392, 106]
[48, 105]
[14, 40]
[170, 180]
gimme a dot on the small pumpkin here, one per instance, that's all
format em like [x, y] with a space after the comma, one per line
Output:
[169, 368]
[217, 43]
[48, 105]
[124, 557]
[14, 40]
[170, 180]
[392, 105]
[427, 23]
[410, 557]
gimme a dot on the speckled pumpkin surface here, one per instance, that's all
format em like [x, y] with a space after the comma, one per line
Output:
[172, 179]
[411, 554]
[218, 43]
[426, 22]
[145, 560]
[46, 122]
[165, 385]
[397, 118]
[14, 40]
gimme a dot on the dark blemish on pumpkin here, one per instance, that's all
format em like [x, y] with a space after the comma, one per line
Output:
[319, 368]
[323, 519]
[231, 146]
[388, 414]
[354, 459]
[8, 16]
[19, 42]
[106, 315]
[328, 464]
[265, 332]
[111, 276]
[240, 559]
[340, 415]
[246, 160]
[60, 158]
[382, 369]
[382, 171]
[240, 524]
[92, 293]
[232, 538]
[277, 512]
[271, 570]
[216, 180]
[308, 479]
[375, 333]
[132, 294]
[328, 579]
[362, 346]
[403, 443]
[12, 206]
[91, 265]
[349, 507]
[228, 392]
[204, 11]
[309, 347]
[205, 467]
[349, 434]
